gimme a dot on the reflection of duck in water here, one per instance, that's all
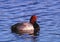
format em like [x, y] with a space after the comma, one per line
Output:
[25, 27]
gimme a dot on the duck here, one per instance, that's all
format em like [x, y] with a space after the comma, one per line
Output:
[30, 27]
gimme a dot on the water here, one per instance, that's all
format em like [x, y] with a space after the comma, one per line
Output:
[47, 11]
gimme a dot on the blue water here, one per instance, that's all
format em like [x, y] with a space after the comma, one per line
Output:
[14, 11]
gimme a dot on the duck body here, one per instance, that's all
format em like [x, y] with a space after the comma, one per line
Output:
[25, 27]
[22, 28]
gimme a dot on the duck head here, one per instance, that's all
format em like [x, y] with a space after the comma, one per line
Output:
[33, 19]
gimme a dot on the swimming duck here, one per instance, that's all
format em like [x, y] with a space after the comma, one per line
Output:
[26, 27]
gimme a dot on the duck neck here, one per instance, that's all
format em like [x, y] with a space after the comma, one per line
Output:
[34, 23]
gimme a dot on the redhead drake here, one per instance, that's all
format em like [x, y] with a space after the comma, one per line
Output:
[26, 27]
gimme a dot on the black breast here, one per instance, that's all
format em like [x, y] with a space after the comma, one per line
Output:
[36, 27]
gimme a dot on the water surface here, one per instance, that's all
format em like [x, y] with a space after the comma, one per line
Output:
[14, 11]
